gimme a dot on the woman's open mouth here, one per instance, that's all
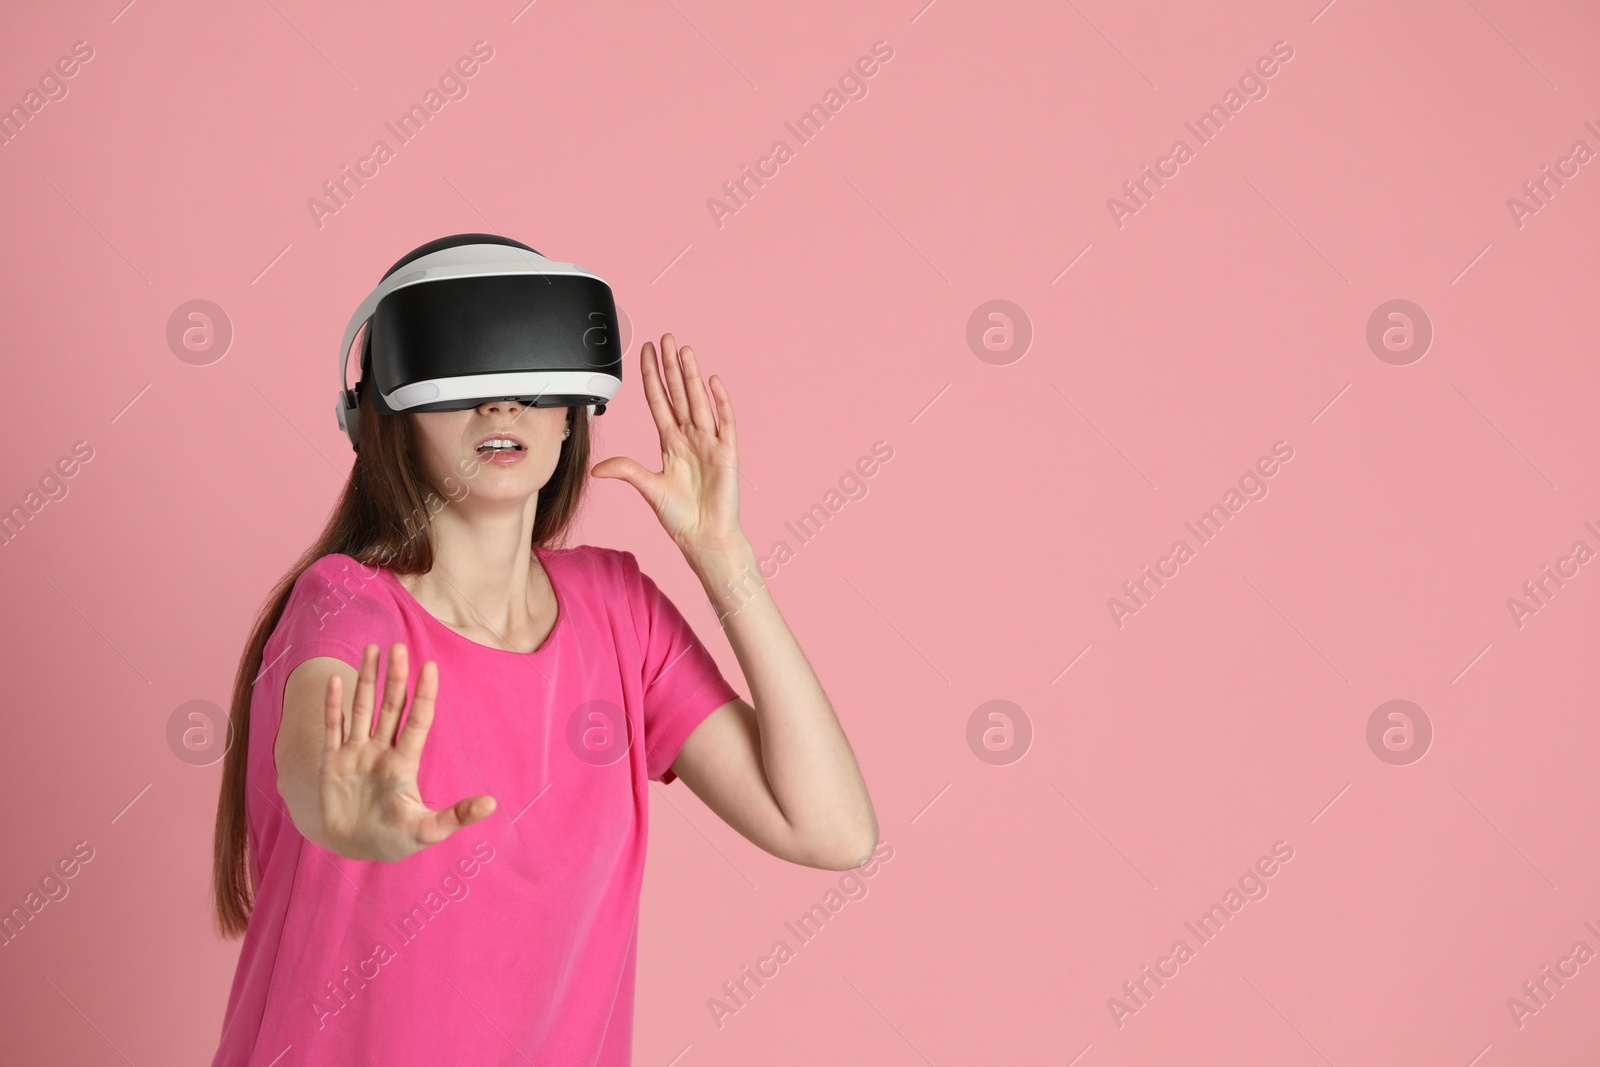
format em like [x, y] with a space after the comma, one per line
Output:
[501, 450]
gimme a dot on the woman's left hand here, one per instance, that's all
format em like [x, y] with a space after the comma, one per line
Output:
[696, 493]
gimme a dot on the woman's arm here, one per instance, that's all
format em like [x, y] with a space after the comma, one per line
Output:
[782, 772]
[301, 735]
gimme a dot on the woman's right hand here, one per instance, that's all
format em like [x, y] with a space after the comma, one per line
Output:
[367, 780]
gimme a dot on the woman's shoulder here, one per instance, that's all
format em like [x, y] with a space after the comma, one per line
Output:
[337, 604]
[336, 568]
[336, 581]
[595, 563]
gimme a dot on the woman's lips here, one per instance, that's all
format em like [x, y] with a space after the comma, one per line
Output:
[502, 456]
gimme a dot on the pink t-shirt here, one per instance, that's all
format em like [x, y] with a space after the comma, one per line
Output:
[513, 941]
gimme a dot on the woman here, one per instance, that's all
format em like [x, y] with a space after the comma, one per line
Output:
[464, 887]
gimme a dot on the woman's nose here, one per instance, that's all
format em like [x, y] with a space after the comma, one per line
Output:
[498, 405]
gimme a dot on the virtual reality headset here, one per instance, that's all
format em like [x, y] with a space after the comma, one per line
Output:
[476, 317]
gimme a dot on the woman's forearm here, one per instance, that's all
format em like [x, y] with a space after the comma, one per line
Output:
[807, 759]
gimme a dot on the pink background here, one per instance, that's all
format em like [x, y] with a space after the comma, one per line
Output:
[1229, 313]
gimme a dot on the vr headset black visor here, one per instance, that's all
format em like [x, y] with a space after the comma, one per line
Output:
[477, 317]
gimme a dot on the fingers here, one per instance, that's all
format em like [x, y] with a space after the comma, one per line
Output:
[415, 732]
[438, 825]
[699, 406]
[366, 684]
[389, 717]
[654, 392]
[332, 715]
[475, 809]
[726, 429]
[394, 683]
[674, 370]
[394, 694]
[649, 483]
[682, 394]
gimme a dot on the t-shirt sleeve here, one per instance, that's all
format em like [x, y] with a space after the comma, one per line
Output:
[682, 683]
[337, 608]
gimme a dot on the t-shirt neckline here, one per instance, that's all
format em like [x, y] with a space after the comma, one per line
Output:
[550, 638]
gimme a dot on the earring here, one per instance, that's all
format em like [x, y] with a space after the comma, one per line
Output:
[567, 432]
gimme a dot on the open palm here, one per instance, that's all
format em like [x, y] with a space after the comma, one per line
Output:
[367, 782]
[696, 492]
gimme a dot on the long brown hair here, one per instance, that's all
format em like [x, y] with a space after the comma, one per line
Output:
[382, 519]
